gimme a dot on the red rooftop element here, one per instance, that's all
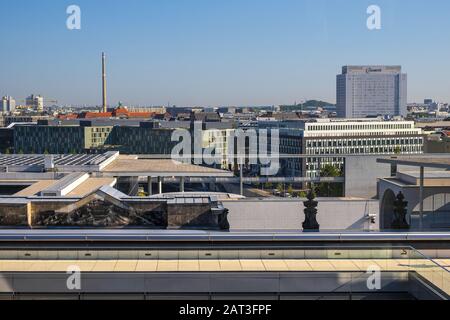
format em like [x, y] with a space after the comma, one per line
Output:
[119, 112]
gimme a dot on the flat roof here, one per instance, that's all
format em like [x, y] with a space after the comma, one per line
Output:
[35, 188]
[111, 164]
[65, 182]
[134, 166]
[431, 178]
[422, 161]
[433, 124]
[91, 185]
[86, 187]
[218, 195]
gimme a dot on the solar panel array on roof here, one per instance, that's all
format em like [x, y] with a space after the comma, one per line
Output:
[75, 159]
[98, 160]
[20, 160]
[59, 159]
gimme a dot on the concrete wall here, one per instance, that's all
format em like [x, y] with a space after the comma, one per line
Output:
[361, 174]
[287, 214]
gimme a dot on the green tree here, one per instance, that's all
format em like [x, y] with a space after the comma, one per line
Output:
[268, 185]
[302, 194]
[330, 189]
[290, 190]
[280, 187]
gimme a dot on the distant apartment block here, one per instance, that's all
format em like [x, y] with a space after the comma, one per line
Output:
[364, 91]
[338, 137]
[154, 109]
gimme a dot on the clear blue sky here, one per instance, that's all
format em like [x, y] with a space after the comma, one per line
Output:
[217, 52]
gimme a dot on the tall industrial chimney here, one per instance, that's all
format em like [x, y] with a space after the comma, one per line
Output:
[104, 82]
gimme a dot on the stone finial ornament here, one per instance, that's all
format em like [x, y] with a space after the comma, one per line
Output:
[400, 211]
[310, 211]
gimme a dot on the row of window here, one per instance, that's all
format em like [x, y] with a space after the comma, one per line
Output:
[367, 150]
[105, 129]
[362, 133]
[384, 126]
[363, 142]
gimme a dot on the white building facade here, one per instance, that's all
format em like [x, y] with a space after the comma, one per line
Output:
[339, 137]
[363, 91]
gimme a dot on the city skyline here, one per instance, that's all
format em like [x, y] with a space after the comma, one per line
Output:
[211, 54]
[208, 152]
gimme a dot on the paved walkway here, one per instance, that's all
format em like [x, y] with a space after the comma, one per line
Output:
[426, 268]
[220, 265]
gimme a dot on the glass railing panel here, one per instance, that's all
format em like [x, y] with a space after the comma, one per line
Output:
[430, 270]
[352, 264]
[446, 282]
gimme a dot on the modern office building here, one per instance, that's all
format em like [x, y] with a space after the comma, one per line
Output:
[337, 137]
[6, 140]
[36, 102]
[6, 120]
[128, 137]
[218, 140]
[90, 138]
[147, 138]
[363, 91]
[4, 105]
[50, 139]
[8, 105]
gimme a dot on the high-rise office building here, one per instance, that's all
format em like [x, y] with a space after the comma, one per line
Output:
[4, 105]
[363, 91]
[8, 105]
[35, 102]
